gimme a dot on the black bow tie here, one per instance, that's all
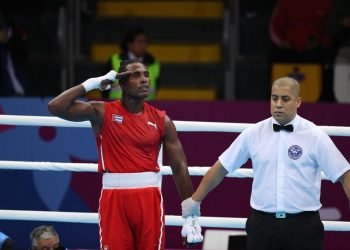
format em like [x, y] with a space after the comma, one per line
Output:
[278, 128]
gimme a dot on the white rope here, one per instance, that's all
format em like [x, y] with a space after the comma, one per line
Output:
[188, 126]
[51, 166]
[185, 126]
[92, 167]
[73, 217]
[170, 220]
[26, 120]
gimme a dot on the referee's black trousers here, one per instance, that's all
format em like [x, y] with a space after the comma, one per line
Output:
[302, 232]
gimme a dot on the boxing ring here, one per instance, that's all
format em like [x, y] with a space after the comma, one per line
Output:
[170, 220]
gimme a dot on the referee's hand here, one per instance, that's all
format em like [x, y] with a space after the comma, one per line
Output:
[190, 207]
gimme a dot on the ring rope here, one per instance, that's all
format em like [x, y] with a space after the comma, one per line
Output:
[92, 167]
[170, 220]
[184, 126]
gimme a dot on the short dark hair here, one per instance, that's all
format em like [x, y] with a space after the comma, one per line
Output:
[123, 67]
[130, 36]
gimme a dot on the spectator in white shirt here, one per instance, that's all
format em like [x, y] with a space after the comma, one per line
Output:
[288, 154]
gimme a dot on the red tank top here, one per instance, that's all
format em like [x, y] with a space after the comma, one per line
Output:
[130, 143]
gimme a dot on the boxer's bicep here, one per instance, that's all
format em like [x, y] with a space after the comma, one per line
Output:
[81, 111]
[172, 144]
[68, 107]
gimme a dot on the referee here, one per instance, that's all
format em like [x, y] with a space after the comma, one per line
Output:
[288, 154]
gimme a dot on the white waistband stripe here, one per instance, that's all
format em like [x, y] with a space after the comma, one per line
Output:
[130, 180]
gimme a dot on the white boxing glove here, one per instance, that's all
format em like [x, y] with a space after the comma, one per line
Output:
[190, 208]
[95, 83]
[192, 231]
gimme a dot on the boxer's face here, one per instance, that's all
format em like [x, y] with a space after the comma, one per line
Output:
[137, 84]
[284, 103]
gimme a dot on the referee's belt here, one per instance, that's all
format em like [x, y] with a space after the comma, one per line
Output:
[283, 215]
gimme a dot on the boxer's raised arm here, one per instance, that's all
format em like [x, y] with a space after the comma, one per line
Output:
[67, 106]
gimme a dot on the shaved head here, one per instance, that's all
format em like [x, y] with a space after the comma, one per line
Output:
[285, 99]
[290, 82]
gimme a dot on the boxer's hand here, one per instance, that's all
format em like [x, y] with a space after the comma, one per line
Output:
[103, 82]
[190, 208]
[106, 81]
[108, 84]
[191, 232]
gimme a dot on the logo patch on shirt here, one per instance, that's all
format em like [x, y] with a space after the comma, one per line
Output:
[117, 118]
[152, 124]
[294, 152]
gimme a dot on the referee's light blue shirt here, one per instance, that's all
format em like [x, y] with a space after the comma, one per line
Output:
[287, 165]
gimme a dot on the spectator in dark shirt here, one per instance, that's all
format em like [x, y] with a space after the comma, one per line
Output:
[12, 57]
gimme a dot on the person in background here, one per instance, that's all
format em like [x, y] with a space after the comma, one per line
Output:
[5, 242]
[340, 24]
[12, 58]
[299, 31]
[339, 28]
[134, 46]
[298, 26]
[45, 238]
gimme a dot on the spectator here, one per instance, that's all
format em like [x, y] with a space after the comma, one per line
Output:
[340, 32]
[12, 57]
[340, 23]
[300, 25]
[45, 238]
[299, 34]
[134, 46]
[5, 242]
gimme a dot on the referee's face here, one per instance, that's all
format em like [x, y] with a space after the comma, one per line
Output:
[284, 103]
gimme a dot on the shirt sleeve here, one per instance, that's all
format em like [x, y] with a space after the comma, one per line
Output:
[237, 154]
[330, 159]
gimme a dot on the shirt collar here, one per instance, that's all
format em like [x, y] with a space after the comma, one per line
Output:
[294, 122]
[132, 56]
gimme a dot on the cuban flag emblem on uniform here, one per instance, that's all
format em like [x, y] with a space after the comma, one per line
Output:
[117, 118]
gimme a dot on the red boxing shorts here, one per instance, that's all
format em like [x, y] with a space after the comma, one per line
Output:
[131, 213]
